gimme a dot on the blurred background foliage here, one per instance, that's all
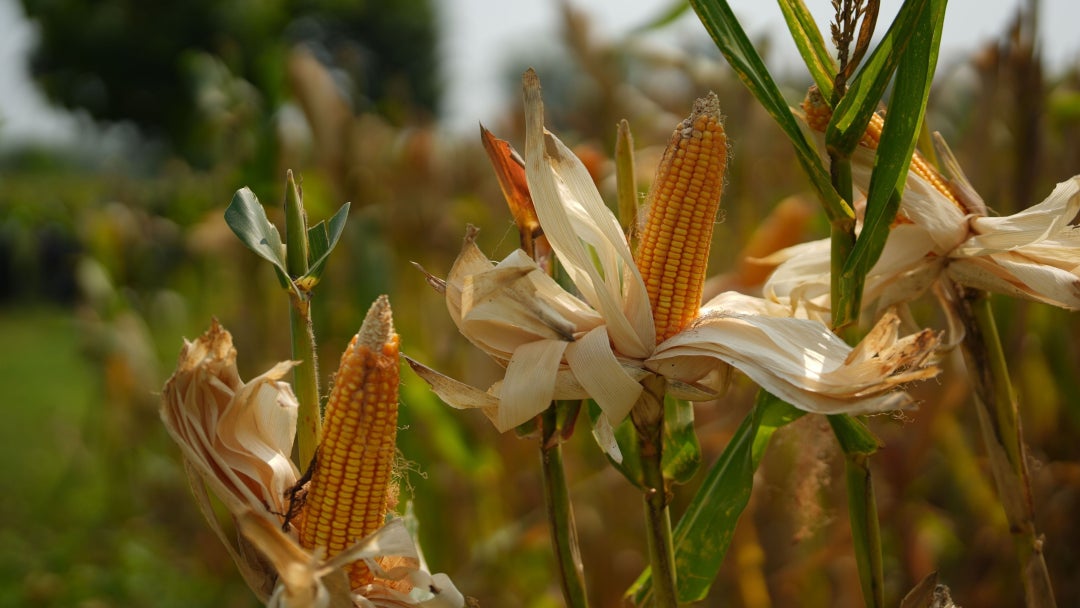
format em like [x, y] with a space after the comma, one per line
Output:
[112, 250]
[175, 69]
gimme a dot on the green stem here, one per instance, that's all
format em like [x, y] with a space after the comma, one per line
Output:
[858, 443]
[560, 513]
[865, 528]
[306, 373]
[845, 309]
[661, 546]
[862, 505]
[842, 239]
[999, 420]
[648, 418]
[305, 378]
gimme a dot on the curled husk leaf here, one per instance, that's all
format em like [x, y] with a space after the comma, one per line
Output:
[1033, 254]
[235, 437]
[599, 342]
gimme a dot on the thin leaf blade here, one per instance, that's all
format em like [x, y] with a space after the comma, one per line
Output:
[324, 241]
[811, 45]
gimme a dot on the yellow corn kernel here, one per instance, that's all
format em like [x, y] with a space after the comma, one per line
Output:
[347, 498]
[818, 115]
[673, 252]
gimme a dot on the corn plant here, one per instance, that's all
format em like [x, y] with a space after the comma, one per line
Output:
[601, 316]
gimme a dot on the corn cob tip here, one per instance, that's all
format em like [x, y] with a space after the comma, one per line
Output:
[704, 106]
[378, 326]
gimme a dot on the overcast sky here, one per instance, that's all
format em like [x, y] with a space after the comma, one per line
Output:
[478, 35]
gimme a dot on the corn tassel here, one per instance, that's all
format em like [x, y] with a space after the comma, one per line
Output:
[347, 498]
[818, 114]
[673, 252]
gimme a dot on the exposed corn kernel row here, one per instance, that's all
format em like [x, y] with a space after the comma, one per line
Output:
[347, 497]
[818, 115]
[673, 252]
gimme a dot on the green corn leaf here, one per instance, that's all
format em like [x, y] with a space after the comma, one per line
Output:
[899, 134]
[247, 219]
[322, 238]
[811, 45]
[705, 531]
[732, 41]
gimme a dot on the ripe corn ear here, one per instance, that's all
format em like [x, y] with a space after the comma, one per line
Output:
[818, 114]
[673, 251]
[347, 498]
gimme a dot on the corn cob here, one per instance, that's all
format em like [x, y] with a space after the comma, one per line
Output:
[818, 115]
[673, 251]
[347, 498]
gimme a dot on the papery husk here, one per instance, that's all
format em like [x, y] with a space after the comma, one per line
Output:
[235, 437]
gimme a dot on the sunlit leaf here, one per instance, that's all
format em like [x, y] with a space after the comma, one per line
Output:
[247, 219]
[627, 440]
[322, 238]
[704, 533]
[807, 37]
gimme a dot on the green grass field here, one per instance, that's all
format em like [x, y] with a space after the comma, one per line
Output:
[78, 532]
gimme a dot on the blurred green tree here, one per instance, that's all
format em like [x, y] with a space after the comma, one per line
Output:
[146, 62]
